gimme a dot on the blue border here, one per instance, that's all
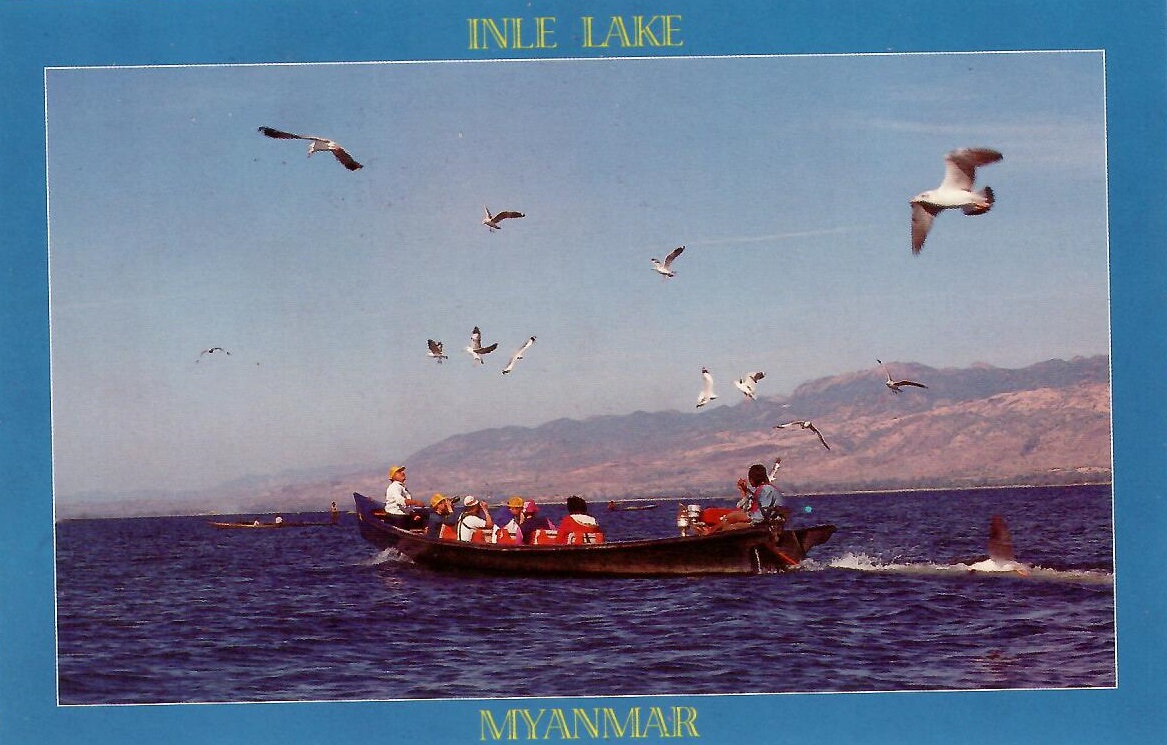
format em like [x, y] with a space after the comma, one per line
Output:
[39, 33]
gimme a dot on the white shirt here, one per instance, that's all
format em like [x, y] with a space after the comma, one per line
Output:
[395, 496]
[467, 524]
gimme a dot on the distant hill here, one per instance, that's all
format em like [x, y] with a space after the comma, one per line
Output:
[978, 426]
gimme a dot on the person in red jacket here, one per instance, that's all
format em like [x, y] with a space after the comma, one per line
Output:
[578, 526]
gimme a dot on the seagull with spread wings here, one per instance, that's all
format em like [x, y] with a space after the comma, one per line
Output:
[955, 191]
[896, 385]
[665, 268]
[435, 350]
[518, 355]
[805, 425]
[476, 350]
[749, 384]
[315, 145]
[492, 221]
[212, 350]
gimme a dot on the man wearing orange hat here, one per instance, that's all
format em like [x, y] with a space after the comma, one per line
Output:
[509, 517]
[441, 522]
[398, 500]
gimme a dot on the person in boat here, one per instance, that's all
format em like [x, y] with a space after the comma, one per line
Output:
[334, 514]
[532, 521]
[509, 516]
[578, 526]
[398, 502]
[475, 516]
[441, 521]
[760, 501]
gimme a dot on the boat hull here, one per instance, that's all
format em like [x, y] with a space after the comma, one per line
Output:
[749, 550]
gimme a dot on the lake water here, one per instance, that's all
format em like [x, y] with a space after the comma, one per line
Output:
[153, 610]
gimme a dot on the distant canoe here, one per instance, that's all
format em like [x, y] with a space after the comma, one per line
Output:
[752, 550]
[257, 526]
[635, 507]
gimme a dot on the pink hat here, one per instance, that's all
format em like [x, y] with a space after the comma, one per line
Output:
[530, 507]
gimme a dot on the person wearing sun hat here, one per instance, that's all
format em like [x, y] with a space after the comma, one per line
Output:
[398, 501]
[509, 516]
[441, 519]
[474, 516]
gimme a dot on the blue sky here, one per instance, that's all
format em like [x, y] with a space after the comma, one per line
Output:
[175, 226]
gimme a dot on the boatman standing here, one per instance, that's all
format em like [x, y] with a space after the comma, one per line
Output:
[398, 500]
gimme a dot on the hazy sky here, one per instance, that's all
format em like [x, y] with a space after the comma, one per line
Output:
[175, 226]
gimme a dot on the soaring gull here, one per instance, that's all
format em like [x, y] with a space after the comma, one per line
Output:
[518, 355]
[665, 267]
[476, 350]
[436, 350]
[805, 425]
[895, 385]
[212, 350]
[955, 191]
[491, 221]
[316, 144]
[749, 384]
[707, 393]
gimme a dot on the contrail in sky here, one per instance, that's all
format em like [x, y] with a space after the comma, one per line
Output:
[773, 236]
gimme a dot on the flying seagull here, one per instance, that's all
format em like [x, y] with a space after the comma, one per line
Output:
[805, 425]
[476, 349]
[436, 350]
[895, 385]
[316, 144]
[749, 383]
[707, 393]
[518, 355]
[665, 268]
[213, 350]
[955, 190]
[491, 221]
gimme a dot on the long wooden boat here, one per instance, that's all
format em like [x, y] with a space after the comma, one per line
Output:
[752, 550]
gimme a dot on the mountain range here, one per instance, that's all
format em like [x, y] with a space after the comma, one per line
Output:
[1048, 423]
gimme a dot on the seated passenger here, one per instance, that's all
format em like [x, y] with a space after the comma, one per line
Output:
[578, 526]
[532, 521]
[760, 502]
[507, 519]
[441, 522]
[474, 518]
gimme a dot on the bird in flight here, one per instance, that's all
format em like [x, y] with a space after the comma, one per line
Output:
[435, 350]
[491, 221]
[955, 191]
[212, 350]
[805, 425]
[707, 393]
[476, 350]
[896, 385]
[518, 355]
[665, 268]
[315, 145]
[749, 384]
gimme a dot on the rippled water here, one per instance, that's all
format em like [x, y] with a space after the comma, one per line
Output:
[173, 610]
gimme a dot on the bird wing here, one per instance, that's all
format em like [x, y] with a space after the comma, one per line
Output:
[486, 350]
[922, 216]
[435, 346]
[489, 216]
[815, 429]
[281, 135]
[346, 160]
[506, 214]
[476, 338]
[909, 382]
[756, 376]
[673, 254]
[960, 166]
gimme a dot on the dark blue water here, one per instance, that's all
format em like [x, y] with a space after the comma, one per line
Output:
[172, 610]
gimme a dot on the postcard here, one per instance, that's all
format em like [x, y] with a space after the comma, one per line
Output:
[285, 280]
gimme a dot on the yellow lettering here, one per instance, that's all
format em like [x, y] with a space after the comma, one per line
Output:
[631, 724]
[593, 728]
[618, 30]
[656, 721]
[684, 717]
[545, 27]
[644, 30]
[532, 724]
[495, 731]
[669, 30]
[558, 722]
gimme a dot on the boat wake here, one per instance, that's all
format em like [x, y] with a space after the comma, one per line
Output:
[990, 567]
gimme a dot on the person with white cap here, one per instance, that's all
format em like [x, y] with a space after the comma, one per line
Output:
[475, 516]
[398, 500]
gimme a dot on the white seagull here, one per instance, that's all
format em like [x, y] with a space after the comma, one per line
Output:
[749, 383]
[491, 221]
[707, 393]
[212, 350]
[315, 145]
[476, 350]
[895, 385]
[955, 190]
[805, 425]
[665, 268]
[518, 355]
[436, 350]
